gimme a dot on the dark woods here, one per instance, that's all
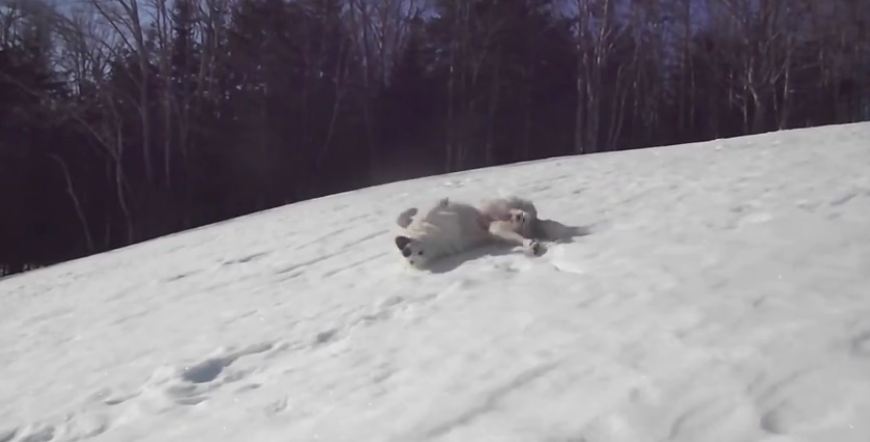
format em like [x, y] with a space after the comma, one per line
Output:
[122, 120]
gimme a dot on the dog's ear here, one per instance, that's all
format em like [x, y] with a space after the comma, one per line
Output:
[402, 242]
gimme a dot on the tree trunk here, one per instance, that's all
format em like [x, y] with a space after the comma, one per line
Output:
[339, 80]
[579, 113]
[593, 110]
[144, 95]
[119, 189]
[80, 213]
[527, 114]
[785, 107]
[165, 73]
[493, 107]
[759, 111]
[451, 81]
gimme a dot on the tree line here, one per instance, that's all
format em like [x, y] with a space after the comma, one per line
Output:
[124, 120]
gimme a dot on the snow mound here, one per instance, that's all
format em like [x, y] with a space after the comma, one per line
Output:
[721, 293]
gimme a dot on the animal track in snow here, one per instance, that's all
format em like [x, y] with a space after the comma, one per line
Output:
[563, 264]
[325, 336]
[384, 310]
[861, 344]
[245, 259]
[754, 218]
[700, 415]
[207, 370]
[37, 433]
[192, 384]
[766, 393]
[352, 265]
[115, 399]
[85, 426]
[211, 368]
[772, 422]
[248, 387]
[277, 406]
[180, 276]
[843, 199]
[8, 434]
[490, 401]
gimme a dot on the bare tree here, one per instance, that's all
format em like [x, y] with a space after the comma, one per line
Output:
[764, 58]
[380, 31]
[162, 23]
[80, 213]
[340, 78]
[596, 33]
[124, 17]
[89, 48]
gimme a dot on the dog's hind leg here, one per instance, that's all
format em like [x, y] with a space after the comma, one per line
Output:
[442, 204]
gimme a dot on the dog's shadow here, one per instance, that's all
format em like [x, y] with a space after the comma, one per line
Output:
[548, 231]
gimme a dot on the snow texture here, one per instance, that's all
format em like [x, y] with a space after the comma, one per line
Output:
[721, 292]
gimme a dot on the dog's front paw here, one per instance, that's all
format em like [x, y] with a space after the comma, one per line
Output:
[533, 247]
[404, 219]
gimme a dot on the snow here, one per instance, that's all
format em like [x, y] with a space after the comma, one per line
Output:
[722, 293]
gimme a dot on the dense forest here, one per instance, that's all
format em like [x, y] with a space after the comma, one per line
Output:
[123, 120]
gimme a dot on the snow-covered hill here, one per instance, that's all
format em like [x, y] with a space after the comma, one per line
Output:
[722, 293]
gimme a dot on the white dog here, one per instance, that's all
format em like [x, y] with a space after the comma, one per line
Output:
[452, 227]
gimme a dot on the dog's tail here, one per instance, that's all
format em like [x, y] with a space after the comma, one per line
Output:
[404, 219]
[550, 230]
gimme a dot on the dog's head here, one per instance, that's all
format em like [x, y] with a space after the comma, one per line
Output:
[415, 251]
[523, 222]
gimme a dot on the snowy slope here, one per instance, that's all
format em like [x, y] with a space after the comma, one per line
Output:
[722, 294]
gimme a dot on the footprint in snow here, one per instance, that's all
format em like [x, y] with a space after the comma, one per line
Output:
[747, 217]
[7, 434]
[384, 310]
[325, 336]
[843, 199]
[276, 407]
[209, 369]
[36, 433]
[192, 384]
[861, 344]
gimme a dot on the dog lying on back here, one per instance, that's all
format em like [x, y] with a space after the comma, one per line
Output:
[452, 227]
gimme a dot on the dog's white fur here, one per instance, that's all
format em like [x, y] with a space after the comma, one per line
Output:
[452, 227]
